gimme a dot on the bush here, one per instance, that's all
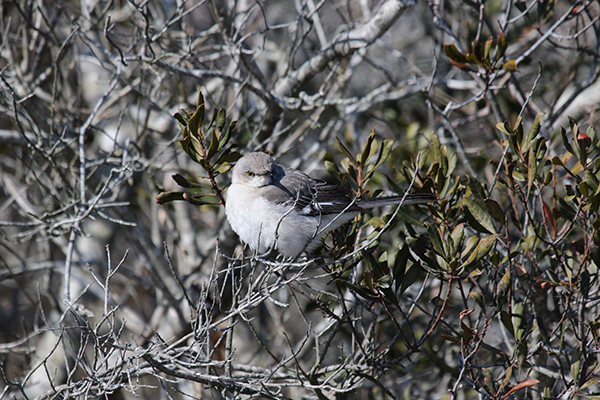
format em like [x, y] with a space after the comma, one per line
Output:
[492, 292]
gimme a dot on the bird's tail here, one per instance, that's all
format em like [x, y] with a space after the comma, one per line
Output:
[413, 198]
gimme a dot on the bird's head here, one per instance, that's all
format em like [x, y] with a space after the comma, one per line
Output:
[254, 169]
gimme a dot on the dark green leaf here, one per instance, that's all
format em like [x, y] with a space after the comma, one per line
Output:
[228, 157]
[478, 51]
[225, 137]
[436, 240]
[565, 141]
[478, 215]
[507, 322]
[214, 145]
[453, 54]
[200, 99]
[409, 218]
[501, 46]
[400, 261]
[411, 275]
[346, 151]
[166, 197]
[368, 150]
[495, 210]
[181, 119]
[195, 122]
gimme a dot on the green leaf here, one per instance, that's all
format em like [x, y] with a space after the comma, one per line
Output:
[510, 66]
[221, 119]
[200, 99]
[413, 273]
[531, 170]
[583, 143]
[364, 290]
[518, 320]
[478, 51]
[181, 119]
[495, 210]
[332, 169]
[384, 152]
[565, 141]
[195, 122]
[453, 54]
[479, 216]
[408, 218]
[592, 181]
[346, 151]
[502, 290]
[351, 170]
[477, 190]
[489, 380]
[505, 128]
[214, 145]
[369, 149]
[228, 157]
[486, 50]
[507, 322]
[376, 222]
[518, 130]
[507, 377]
[436, 240]
[501, 46]
[183, 182]
[400, 261]
[201, 199]
[528, 140]
[373, 265]
[481, 250]
[457, 236]
[166, 197]
[575, 366]
[470, 246]
[472, 58]
[479, 299]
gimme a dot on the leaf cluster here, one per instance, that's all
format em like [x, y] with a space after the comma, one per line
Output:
[206, 143]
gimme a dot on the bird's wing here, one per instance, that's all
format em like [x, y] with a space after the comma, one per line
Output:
[308, 196]
[332, 199]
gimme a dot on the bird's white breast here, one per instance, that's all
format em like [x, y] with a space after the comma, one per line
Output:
[260, 224]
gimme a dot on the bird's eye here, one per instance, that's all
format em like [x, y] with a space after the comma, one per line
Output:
[250, 174]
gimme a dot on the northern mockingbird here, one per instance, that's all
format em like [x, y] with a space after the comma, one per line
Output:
[275, 207]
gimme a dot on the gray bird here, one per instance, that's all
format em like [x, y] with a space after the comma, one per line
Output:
[276, 207]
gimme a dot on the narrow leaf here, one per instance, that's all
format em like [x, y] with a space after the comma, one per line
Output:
[166, 197]
[522, 385]
[549, 218]
[487, 47]
[346, 151]
[501, 46]
[528, 140]
[366, 153]
[531, 170]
